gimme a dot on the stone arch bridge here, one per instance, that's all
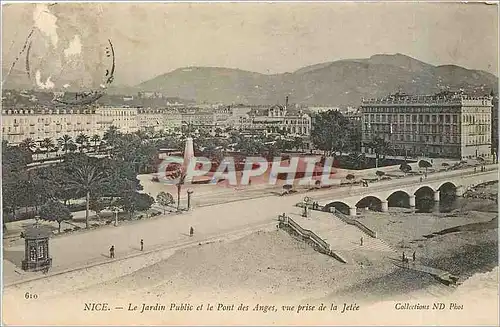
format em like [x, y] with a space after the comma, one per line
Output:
[408, 189]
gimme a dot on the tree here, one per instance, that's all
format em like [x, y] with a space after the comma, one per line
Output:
[164, 199]
[287, 188]
[379, 174]
[298, 143]
[380, 146]
[82, 140]
[424, 164]
[134, 201]
[97, 204]
[405, 168]
[85, 175]
[47, 144]
[96, 139]
[14, 165]
[65, 142]
[55, 211]
[179, 184]
[111, 135]
[330, 132]
[28, 144]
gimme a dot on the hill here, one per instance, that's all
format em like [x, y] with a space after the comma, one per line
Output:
[343, 82]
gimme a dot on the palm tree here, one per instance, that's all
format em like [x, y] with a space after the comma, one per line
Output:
[96, 138]
[85, 176]
[48, 144]
[111, 135]
[65, 142]
[82, 140]
[28, 144]
[181, 174]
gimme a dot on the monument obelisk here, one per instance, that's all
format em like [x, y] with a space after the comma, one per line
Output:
[188, 152]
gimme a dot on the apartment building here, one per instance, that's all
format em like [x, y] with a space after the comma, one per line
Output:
[447, 124]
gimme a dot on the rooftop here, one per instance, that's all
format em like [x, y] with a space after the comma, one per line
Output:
[447, 97]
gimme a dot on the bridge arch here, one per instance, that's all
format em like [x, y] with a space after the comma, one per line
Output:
[448, 189]
[400, 198]
[373, 202]
[425, 193]
[340, 206]
[448, 183]
[424, 188]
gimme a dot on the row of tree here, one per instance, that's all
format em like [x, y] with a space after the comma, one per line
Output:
[109, 182]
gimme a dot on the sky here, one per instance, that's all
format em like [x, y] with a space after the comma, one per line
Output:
[150, 39]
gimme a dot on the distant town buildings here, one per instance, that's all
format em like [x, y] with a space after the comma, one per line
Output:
[277, 119]
[446, 124]
[40, 123]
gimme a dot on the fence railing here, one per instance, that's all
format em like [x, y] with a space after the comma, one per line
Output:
[356, 223]
[304, 232]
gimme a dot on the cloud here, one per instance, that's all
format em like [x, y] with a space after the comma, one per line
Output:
[45, 21]
[44, 86]
[74, 48]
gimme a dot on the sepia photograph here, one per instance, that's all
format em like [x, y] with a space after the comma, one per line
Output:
[250, 163]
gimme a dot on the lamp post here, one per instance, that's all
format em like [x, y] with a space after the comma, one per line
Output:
[307, 200]
[189, 192]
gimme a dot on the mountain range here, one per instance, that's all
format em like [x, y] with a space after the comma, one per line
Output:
[343, 82]
[338, 83]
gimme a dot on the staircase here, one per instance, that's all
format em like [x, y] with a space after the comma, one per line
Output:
[340, 236]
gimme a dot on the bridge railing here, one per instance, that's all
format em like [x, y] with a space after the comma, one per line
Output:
[348, 220]
[304, 232]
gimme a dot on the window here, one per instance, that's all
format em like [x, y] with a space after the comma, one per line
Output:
[41, 251]
[32, 253]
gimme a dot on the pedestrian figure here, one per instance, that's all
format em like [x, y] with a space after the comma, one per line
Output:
[475, 169]
[142, 244]
[112, 252]
[191, 231]
[361, 241]
[421, 179]
[404, 257]
[414, 256]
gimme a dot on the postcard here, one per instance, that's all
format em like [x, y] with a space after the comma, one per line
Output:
[250, 163]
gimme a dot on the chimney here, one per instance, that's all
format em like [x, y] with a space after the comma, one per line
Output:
[286, 102]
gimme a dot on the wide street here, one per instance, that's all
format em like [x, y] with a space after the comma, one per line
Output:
[92, 247]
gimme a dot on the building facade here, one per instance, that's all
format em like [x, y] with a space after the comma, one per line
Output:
[154, 120]
[446, 124]
[276, 119]
[20, 124]
[38, 124]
